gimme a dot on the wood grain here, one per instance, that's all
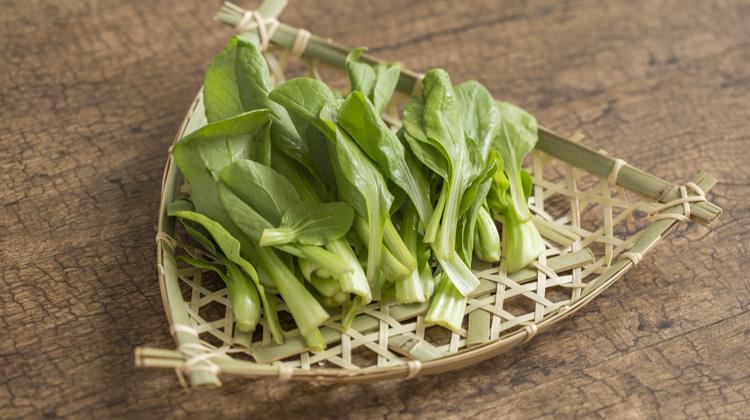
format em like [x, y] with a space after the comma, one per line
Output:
[92, 93]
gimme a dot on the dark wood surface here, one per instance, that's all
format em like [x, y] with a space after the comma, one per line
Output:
[91, 94]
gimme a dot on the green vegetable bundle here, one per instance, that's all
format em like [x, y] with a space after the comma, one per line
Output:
[300, 192]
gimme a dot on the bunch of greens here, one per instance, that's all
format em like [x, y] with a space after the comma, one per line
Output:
[304, 194]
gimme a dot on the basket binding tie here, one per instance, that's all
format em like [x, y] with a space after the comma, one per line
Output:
[198, 356]
[684, 200]
[612, 178]
[656, 214]
[300, 43]
[633, 256]
[414, 366]
[167, 240]
[530, 330]
[285, 373]
[264, 27]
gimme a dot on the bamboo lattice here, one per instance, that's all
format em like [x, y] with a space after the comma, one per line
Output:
[597, 215]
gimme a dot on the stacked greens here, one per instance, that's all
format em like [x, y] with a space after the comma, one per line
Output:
[300, 192]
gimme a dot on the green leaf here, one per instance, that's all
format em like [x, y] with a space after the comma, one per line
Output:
[359, 118]
[253, 224]
[480, 118]
[433, 127]
[527, 184]
[376, 82]
[442, 124]
[238, 81]
[306, 98]
[359, 181]
[195, 230]
[310, 189]
[363, 187]
[476, 194]
[205, 265]
[306, 311]
[442, 118]
[413, 133]
[202, 155]
[443, 127]
[311, 224]
[228, 244]
[267, 191]
[385, 85]
[498, 197]
[515, 139]
[250, 222]
[362, 76]
[471, 204]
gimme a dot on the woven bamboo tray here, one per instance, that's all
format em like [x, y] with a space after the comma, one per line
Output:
[599, 216]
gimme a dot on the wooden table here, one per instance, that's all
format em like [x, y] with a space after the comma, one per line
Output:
[92, 93]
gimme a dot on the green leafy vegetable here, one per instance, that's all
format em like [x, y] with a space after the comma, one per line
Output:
[434, 131]
[359, 118]
[480, 118]
[359, 182]
[201, 156]
[377, 82]
[253, 195]
[242, 294]
[266, 172]
[480, 123]
[238, 81]
[310, 224]
[270, 192]
[515, 139]
[230, 247]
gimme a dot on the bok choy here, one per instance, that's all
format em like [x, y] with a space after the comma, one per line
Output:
[308, 195]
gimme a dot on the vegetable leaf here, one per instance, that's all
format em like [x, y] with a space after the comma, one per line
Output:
[479, 116]
[238, 81]
[359, 182]
[376, 82]
[433, 125]
[269, 192]
[359, 118]
[428, 153]
[203, 154]
[253, 224]
[515, 139]
[361, 75]
[311, 224]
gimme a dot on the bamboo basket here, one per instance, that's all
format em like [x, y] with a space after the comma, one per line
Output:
[598, 216]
